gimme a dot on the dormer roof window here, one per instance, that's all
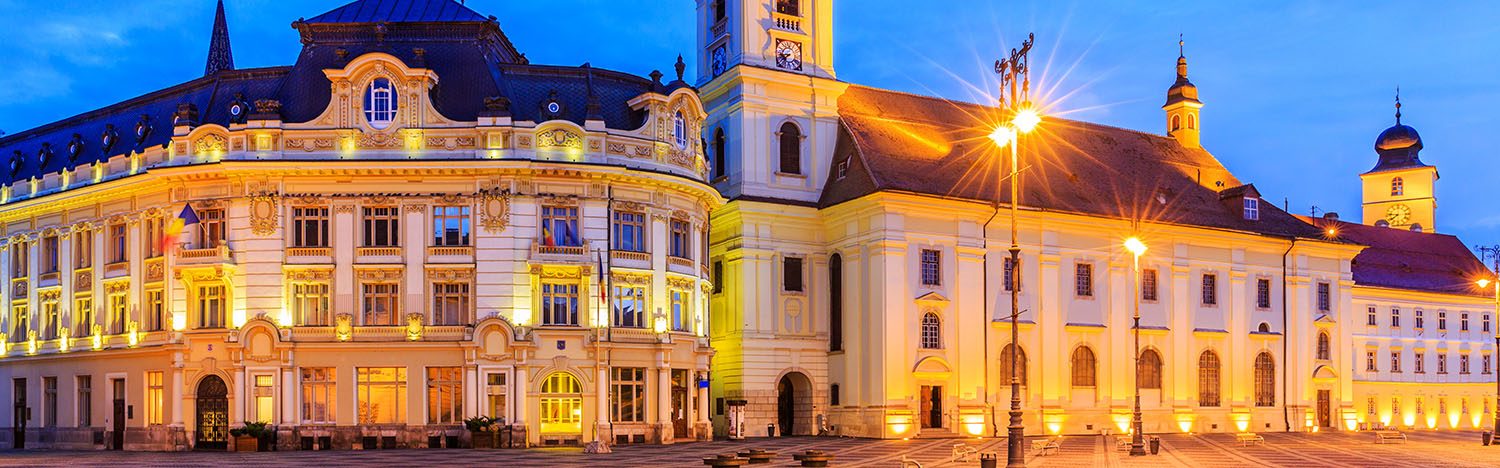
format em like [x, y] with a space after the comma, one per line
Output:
[1252, 208]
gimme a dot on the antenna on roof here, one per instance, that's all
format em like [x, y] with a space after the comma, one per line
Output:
[1314, 211]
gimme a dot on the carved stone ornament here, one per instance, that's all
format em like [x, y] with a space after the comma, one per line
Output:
[343, 327]
[450, 275]
[413, 327]
[83, 280]
[494, 210]
[451, 199]
[210, 143]
[117, 286]
[559, 138]
[155, 270]
[680, 283]
[378, 274]
[624, 205]
[630, 279]
[309, 274]
[265, 215]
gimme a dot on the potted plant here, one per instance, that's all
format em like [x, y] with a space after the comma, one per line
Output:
[481, 428]
[247, 438]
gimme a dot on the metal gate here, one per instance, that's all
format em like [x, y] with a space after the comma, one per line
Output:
[213, 414]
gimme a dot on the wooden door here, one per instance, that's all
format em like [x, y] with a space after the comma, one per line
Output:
[680, 404]
[1325, 410]
[18, 424]
[932, 406]
[117, 432]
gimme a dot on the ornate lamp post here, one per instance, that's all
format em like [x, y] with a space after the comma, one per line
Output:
[1493, 252]
[1136, 248]
[1023, 119]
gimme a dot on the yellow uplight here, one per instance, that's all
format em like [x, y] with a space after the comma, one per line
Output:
[132, 334]
[179, 321]
[1001, 136]
[31, 342]
[4, 344]
[64, 342]
[1135, 246]
[1026, 119]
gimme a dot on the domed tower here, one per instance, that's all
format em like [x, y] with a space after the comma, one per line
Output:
[1398, 191]
[1183, 105]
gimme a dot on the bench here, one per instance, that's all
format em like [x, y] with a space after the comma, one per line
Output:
[1382, 437]
[1247, 438]
[1122, 443]
[964, 453]
[1044, 445]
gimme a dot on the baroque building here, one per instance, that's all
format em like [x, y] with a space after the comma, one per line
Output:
[409, 226]
[862, 285]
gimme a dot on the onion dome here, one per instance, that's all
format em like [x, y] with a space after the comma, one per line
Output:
[1398, 145]
[1183, 90]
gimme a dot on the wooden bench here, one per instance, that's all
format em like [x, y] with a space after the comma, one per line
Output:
[1247, 438]
[1382, 437]
[1044, 445]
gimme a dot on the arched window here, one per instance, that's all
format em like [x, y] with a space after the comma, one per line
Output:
[836, 303]
[719, 10]
[1008, 356]
[1208, 379]
[932, 331]
[1176, 123]
[1263, 327]
[787, 7]
[791, 148]
[1192, 121]
[380, 103]
[720, 160]
[1148, 370]
[1323, 351]
[1398, 187]
[1083, 367]
[1265, 380]
[679, 131]
[562, 404]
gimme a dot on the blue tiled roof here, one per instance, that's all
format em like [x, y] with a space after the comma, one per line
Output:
[398, 11]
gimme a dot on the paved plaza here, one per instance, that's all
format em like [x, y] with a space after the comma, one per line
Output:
[1424, 449]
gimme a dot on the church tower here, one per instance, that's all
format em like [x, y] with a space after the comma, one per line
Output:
[1183, 105]
[1399, 190]
[767, 80]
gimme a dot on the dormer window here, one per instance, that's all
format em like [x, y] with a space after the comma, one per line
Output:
[679, 131]
[380, 104]
[1252, 208]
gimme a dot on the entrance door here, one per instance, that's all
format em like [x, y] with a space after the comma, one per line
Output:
[680, 404]
[117, 438]
[932, 406]
[786, 405]
[213, 414]
[1325, 410]
[18, 431]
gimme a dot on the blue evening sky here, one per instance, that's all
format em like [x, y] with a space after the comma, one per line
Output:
[1294, 92]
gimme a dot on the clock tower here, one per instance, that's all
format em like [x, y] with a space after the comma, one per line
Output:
[1399, 190]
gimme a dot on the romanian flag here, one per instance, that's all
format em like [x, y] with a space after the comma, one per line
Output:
[603, 288]
[547, 239]
[174, 228]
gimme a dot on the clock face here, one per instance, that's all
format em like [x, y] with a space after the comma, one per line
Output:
[720, 60]
[788, 55]
[1398, 215]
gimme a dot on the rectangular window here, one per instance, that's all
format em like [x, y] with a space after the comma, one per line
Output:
[681, 245]
[155, 310]
[83, 249]
[1484, 362]
[1083, 279]
[1463, 322]
[718, 277]
[20, 320]
[1148, 284]
[1263, 293]
[630, 231]
[1370, 407]
[152, 228]
[49, 401]
[560, 226]
[931, 267]
[681, 309]
[791, 274]
[1463, 364]
[630, 307]
[85, 400]
[1325, 299]
[1012, 281]
[450, 226]
[1252, 208]
[1370, 318]
[211, 232]
[264, 399]
[310, 226]
[310, 305]
[119, 313]
[210, 306]
[83, 317]
[1395, 317]
[155, 397]
[1421, 319]
[49, 254]
[116, 241]
[1442, 321]
[1370, 361]
[319, 395]
[1485, 323]
[1210, 289]
[50, 320]
[1442, 363]
[497, 393]
[1396, 362]
[1417, 363]
[559, 304]
[445, 395]
[18, 254]
[450, 303]
[382, 226]
[628, 392]
[381, 303]
[381, 394]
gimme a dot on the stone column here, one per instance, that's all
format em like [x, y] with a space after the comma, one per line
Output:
[704, 430]
[663, 425]
[601, 406]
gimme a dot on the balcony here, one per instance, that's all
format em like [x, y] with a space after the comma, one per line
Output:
[787, 22]
[633, 335]
[209, 256]
[718, 29]
[47, 279]
[379, 333]
[450, 254]
[381, 254]
[560, 253]
[116, 269]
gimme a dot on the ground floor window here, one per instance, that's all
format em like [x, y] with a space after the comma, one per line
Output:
[497, 393]
[85, 401]
[562, 404]
[318, 395]
[265, 404]
[155, 397]
[445, 397]
[628, 394]
[49, 401]
[382, 395]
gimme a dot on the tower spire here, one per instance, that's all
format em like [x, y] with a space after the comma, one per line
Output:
[1398, 105]
[1181, 59]
[219, 55]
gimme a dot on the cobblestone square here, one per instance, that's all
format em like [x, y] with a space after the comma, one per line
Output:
[1423, 449]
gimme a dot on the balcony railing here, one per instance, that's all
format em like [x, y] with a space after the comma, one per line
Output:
[209, 255]
[50, 278]
[718, 29]
[450, 250]
[633, 335]
[628, 255]
[115, 269]
[309, 252]
[378, 251]
[379, 333]
[561, 252]
[787, 22]
[680, 261]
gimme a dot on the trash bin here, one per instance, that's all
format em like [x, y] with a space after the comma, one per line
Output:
[770, 430]
[988, 460]
[1155, 445]
[1488, 437]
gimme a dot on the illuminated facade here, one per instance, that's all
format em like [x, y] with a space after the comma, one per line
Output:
[404, 229]
[862, 284]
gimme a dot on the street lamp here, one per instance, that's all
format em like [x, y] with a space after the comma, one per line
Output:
[1023, 119]
[1494, 253]
[1136, 248]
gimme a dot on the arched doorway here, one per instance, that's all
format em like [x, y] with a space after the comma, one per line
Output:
[562, 404]
[794, 404]
[213, 414]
